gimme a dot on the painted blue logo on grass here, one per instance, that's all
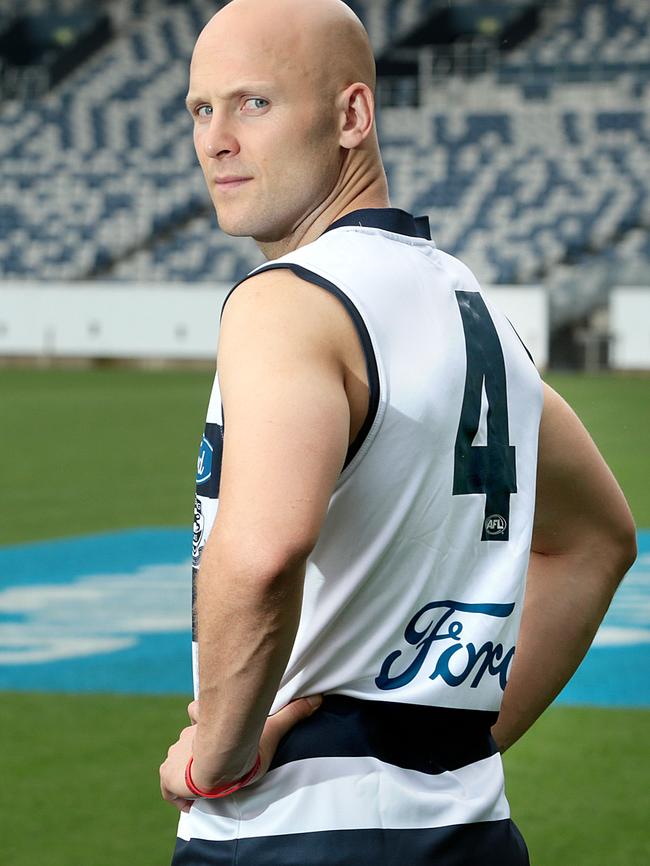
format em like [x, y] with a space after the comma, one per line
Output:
[95, 614]
[113, 613]
[103, 613]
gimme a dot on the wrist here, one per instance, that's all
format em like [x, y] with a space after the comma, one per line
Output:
[222, 790]
[213, 768]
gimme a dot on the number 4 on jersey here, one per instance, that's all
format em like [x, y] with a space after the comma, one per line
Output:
[490, 468]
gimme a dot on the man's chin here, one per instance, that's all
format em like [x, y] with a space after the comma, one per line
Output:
[232, 228]
[262, 234]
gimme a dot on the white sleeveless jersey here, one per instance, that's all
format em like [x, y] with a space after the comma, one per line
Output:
[413, 593]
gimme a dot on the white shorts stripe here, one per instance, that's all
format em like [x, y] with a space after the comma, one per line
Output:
[351, 794]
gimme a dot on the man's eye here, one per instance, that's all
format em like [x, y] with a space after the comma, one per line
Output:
[204, 111]
[257, 103]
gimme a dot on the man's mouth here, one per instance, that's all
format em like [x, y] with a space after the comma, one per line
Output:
[230, 181]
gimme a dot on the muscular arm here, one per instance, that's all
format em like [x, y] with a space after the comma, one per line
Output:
[583, 543]
[286, 428]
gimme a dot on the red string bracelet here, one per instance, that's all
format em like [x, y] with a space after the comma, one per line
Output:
[222, 790]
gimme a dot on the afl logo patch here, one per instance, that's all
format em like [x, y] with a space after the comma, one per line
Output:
[204, 462]
[495, 524]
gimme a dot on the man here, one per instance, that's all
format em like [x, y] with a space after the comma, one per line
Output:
[372, 443]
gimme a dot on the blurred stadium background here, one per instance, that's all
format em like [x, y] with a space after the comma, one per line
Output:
[522, 129]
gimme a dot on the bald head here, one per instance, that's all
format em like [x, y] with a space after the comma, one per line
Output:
[322, 39]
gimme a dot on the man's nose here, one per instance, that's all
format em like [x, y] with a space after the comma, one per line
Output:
[219, 139]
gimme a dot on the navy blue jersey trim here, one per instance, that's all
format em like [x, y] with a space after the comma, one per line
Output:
[521, 341]
[362, 331]
[488, 843]
[388, 219]
[428, 739]
[195, 622]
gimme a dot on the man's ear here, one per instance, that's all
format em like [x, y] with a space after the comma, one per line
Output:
[357, 111]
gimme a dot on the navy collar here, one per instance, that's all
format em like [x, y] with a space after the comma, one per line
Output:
[389, 219]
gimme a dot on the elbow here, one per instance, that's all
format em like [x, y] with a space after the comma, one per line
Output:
[626, 546]
[281, 556]
[282, 561]
[259, 563]
[621, 548]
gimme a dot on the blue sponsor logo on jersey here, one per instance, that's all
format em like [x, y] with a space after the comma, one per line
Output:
[458, 659]
[204, 462]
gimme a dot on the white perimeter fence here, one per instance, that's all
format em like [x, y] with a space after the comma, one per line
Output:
[629, 323]
[180, 322]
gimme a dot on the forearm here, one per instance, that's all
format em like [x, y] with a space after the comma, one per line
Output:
[247, 620]
[566, 599]
[583, 543]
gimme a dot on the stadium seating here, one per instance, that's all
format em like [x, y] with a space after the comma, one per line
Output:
[515, 191]
[105, 164]
[386, 20]
[100, 177]
[585, 40]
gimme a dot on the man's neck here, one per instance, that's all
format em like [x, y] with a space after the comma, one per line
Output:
[353, 192]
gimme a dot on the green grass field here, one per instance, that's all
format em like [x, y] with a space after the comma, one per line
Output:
[87, 451]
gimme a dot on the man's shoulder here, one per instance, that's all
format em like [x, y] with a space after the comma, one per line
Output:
[282, 300]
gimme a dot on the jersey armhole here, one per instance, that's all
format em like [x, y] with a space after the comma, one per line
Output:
[364, 337]
[532, 360]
